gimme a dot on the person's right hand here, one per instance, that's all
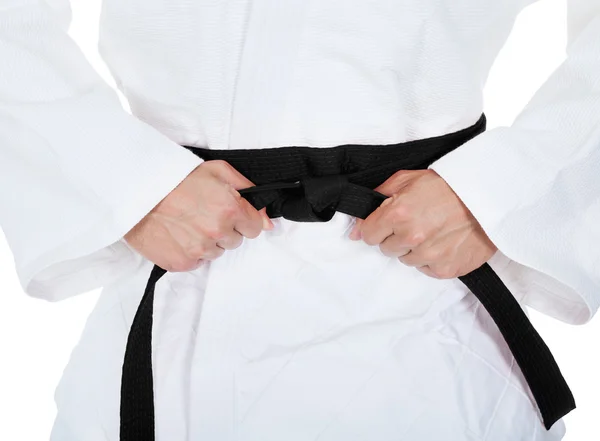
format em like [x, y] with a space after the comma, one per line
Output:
[200, 219]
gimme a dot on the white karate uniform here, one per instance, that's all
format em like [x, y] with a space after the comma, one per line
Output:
[300, 334]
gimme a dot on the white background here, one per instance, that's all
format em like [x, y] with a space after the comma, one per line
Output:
[36, 337]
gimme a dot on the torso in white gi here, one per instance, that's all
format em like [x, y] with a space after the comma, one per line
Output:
[300, 334]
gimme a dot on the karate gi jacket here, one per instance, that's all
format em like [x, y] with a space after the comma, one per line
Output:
[239, 357]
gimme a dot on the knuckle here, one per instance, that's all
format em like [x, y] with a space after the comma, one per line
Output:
[415, 238]
[226, 215]
[401, 174]
[401, 213]
[230, 210]
[214, 233]
[219, 164]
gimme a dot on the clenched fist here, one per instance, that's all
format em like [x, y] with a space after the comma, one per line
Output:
[200, 219]
[425, 225]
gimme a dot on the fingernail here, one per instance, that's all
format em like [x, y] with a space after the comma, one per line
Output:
[267, 224]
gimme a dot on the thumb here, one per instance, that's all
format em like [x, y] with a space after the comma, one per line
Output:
[233, 177]
[239, 182]
[396, 182]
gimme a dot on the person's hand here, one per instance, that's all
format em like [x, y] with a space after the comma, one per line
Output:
[425, 225]
[200, 219]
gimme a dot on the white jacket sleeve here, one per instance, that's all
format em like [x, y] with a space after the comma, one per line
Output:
[76, 170]
[535, 186]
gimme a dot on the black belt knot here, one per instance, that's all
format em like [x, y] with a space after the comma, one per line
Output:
[324, 192]
[312, 198]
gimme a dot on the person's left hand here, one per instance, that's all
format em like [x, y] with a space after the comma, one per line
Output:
[425, 225]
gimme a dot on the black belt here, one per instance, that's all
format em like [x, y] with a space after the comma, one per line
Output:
[307, 184]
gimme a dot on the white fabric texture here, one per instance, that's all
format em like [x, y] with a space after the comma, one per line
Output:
[300, 334]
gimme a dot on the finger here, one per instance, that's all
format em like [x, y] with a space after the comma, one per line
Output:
[249, 223]
[181, 265]
[446, 270]
[190, 258]
[238, 182]
[427, 271]
[231, 241]
[394, 246]
[213, 252]
[434, 249]
[405, 237]
[206, 250]
[424, 255]
[200, 263]
[378, 225]
[246, 223]
[234, 178]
